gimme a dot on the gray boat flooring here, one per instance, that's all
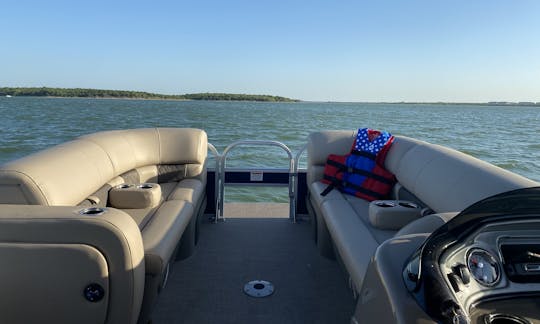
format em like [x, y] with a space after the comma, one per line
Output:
[207, 287]
[262, 210]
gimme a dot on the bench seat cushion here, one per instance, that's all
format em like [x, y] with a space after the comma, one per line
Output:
[351, 237]
[162, 233]
[361, 208]
[315, 189]
[347, 220]
[141, 216]
[163, 226]
[190, 190]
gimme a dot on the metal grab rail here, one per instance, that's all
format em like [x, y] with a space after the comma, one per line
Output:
[217, 194]
[292, 174]
[296, 165]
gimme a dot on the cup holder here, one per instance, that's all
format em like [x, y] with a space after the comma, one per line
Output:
[135, 196]
[504, 319]
[407, 204]
[392, 214]
[385, 204]
[93, 211]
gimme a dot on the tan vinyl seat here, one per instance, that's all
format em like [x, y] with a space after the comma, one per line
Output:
[432, 176]
[81, 173]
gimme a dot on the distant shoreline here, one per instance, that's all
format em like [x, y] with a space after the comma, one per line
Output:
[507, 104]
[81, 93]
[498, 103]
[107, 98]
[139, 95]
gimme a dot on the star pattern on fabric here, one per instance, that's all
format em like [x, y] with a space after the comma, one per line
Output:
[362, 142]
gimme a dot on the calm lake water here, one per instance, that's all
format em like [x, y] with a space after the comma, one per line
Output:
[504, 136]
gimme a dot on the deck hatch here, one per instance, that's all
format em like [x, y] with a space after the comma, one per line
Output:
[259, 288]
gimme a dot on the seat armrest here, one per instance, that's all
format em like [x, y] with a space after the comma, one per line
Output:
[52, 255]
[131, 196]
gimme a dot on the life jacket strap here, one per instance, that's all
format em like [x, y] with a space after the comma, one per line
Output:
[361, 172]
[327, 190]
[368, 155]
[337, 183]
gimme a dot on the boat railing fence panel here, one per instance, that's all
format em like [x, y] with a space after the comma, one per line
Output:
[255, 176]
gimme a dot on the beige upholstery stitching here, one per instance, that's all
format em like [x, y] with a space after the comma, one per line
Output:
[115, 173]
[132, 149]
[199, 148]
[416, 176]
[159, 144]
[102, 176]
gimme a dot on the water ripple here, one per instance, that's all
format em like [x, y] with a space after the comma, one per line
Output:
[504, 136]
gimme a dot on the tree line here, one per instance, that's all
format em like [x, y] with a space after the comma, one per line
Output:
[100, 93]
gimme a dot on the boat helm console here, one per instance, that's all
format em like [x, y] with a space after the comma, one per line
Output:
[483, 266]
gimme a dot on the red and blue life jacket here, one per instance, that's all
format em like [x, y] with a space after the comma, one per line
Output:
[361, 173]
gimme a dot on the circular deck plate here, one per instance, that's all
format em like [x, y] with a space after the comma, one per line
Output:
[259, 288]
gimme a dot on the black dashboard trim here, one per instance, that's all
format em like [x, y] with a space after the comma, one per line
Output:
[430, 289]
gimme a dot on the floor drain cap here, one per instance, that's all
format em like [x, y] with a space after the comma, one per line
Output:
[259, 288]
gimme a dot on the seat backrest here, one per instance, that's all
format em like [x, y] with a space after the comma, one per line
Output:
[66, 174]
[442, 178]
[320, 145]
[447, 180]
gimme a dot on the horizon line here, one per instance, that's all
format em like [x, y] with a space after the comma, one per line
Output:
[491, 102]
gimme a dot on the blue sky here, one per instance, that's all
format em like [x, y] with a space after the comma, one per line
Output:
[461, 50]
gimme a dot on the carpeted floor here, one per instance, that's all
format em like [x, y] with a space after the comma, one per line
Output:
[208, 286]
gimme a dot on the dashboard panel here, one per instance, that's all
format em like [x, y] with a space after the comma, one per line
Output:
[483, 266]
[496, 262]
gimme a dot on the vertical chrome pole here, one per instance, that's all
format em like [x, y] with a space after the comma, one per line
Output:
[222, 185]
[296, 165]
[217, 173]
[292, 180]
